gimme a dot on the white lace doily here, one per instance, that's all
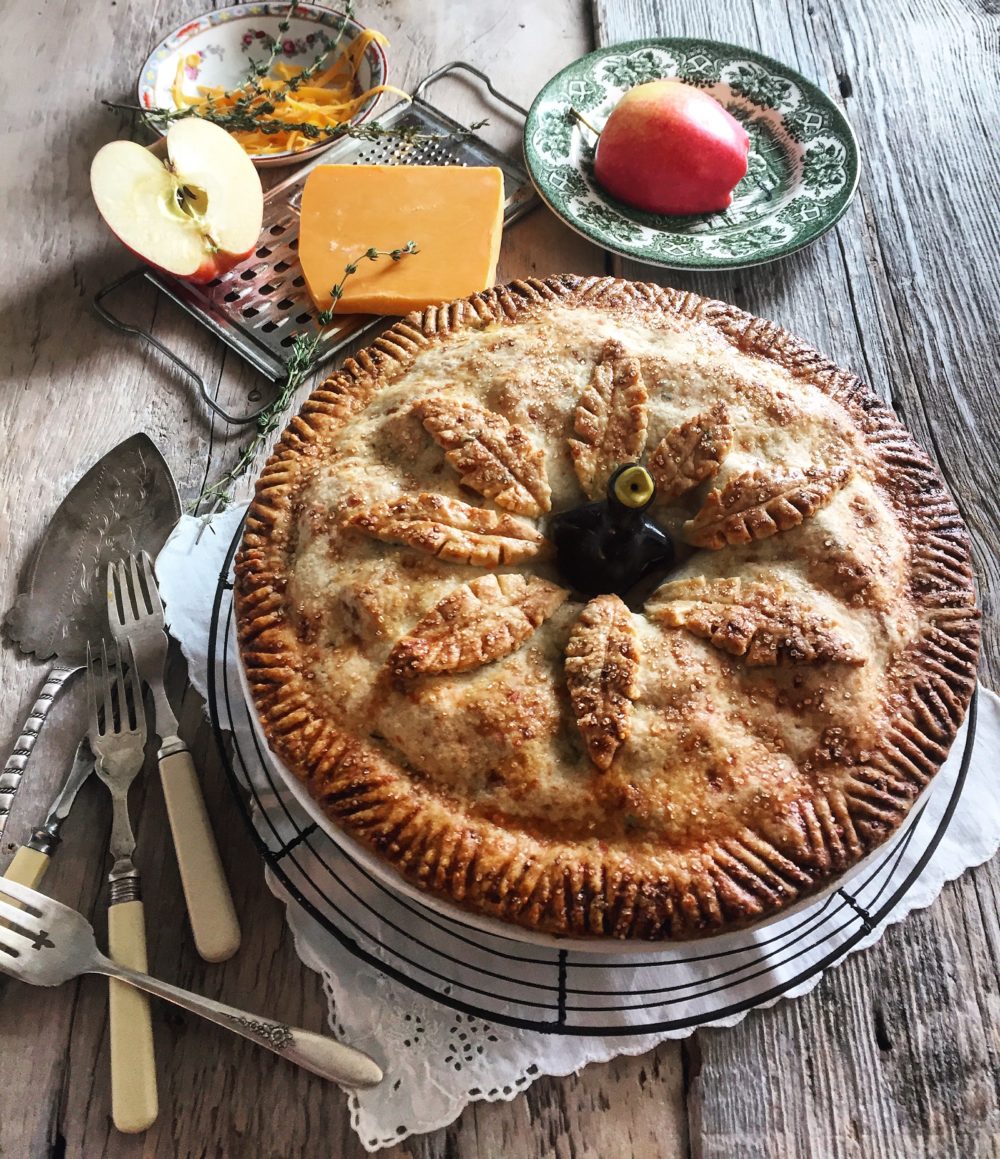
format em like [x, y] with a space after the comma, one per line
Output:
[437, 1059]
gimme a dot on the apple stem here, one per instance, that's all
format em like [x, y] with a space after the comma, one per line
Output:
[573, 112]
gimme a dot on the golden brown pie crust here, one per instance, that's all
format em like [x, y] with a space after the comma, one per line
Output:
[761, 723]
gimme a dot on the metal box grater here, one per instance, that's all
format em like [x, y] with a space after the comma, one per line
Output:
[261, 305]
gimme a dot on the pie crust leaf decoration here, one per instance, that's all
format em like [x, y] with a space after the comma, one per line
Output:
[602, 663]
[480, 621]
[451, 530]
[493, 457]
[758, 621]
[610, 420]
[760, 503]
[643, 787]
[691, 453]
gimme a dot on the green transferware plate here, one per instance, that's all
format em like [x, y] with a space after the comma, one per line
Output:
[803, 164]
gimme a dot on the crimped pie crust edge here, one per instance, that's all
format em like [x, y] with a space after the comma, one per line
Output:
[567, 888]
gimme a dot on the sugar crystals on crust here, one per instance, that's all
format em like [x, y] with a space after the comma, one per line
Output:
[642, 765]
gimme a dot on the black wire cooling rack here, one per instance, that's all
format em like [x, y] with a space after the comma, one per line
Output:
[554, 990]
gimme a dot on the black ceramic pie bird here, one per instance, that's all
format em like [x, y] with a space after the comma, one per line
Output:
[609, 546]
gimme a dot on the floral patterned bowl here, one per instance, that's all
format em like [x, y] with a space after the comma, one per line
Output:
[803, 164]
[217, 49]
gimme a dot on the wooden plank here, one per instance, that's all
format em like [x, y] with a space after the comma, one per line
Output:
[896, 1052]
[837, 1073]
[74, 389]
[629, 1107]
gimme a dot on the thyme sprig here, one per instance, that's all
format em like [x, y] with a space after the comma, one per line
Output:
[250, 103]
[325, 317]
[311, 70]
[300, 363]
[235, 122]
[252, 106]
[257, 70]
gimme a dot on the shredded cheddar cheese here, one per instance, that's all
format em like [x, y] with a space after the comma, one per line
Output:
[329, 99]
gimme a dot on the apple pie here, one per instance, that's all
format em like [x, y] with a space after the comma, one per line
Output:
[605, 609]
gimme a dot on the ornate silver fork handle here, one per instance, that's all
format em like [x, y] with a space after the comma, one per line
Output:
[318, 1053]
[10, 778]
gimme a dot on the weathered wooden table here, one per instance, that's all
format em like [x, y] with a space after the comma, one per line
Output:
[897, 1052]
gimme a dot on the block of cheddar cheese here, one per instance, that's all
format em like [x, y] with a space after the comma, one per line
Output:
[453, 213]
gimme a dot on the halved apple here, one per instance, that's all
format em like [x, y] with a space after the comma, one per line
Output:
[194, 215]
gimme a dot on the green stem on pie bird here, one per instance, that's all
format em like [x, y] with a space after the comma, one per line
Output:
[300, 363]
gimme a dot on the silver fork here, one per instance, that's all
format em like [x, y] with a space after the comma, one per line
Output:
[46, 943]
[135, 613]
[117, 734]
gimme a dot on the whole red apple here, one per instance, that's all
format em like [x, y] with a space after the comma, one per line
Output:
[670, 148]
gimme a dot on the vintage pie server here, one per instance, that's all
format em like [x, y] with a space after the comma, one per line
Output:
[46, 943]
[126, 502]
[135, 614]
